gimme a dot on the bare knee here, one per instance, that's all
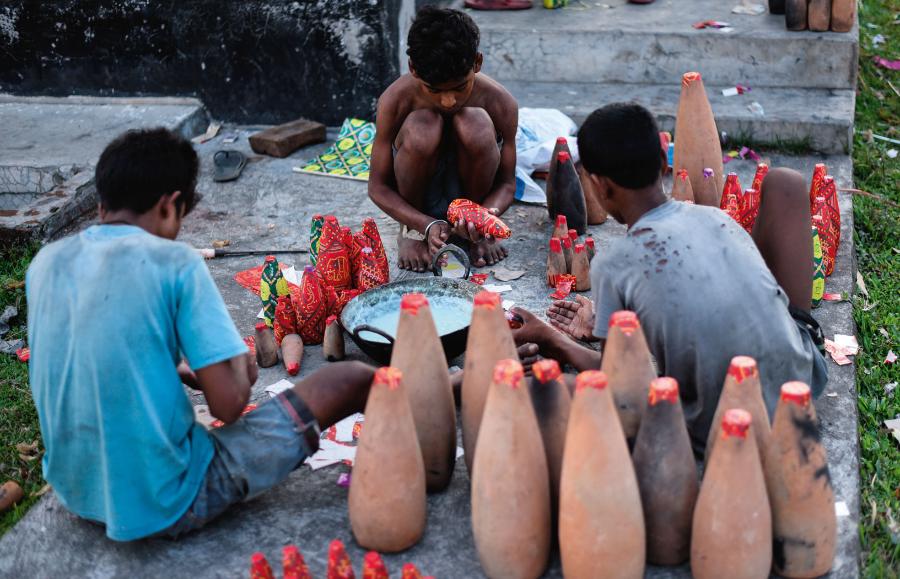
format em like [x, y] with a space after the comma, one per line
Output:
[421, 133]
[784, 183]
[474, 130]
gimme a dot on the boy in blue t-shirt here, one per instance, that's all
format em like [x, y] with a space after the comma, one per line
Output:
[111, 313]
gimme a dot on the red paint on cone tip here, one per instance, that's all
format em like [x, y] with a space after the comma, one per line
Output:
[741, 368]
[589, 241]
[563, 157]
[318, 216]
[410, 303]
[567, 242]
[261, 326]
[293, 368]
[573, 235]
[663, 389]
[707, 173]
[561, 222]
[683, 174]
[373, 566]
[579, 247]
[388, 376]
[486, 299]
[331, 219]
[796, 392]
[736, 423]
[562, 141]
[258, 558]
[591, 379]
[689, 77]
[270, 258]
[625, 320]
[330, 320]
[546, 370]
[555, 245]
[509, 373]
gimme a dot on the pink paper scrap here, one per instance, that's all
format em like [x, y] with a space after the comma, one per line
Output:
[890, 358]
[343, 480]
[885, 63]
[832, 297]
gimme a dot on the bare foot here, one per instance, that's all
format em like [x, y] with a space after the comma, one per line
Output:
[412, 254]
[488, 251]
[575, 319]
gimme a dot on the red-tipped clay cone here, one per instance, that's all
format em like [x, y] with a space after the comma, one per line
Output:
[510, 484]
[556, 262]
[799, 488]
[561, 228]
[333, 343]
[589, 246]
[681, 187]
[795, 14]
[628, 366]
[696, 136]
[667, 475]
[731, 197]
[292, 353]
[293, 565]
[815, 185]
[266, 349]
[419, 355]
[601, 525]
[10, 494]
[568, 195]
[742, 389]
[387, 496]
[339, 566]
[260, 568]
[707, 192]
[490, 340]
[843, 15]
[581, 268]
[373, 567]
[732, 527]
[568, 252]
[561, 145]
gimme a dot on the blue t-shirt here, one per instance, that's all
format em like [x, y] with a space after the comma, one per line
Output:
[110, 312]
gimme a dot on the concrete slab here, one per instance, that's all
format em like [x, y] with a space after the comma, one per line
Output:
[270, 207]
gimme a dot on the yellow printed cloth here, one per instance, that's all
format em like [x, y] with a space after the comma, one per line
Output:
[349, 156]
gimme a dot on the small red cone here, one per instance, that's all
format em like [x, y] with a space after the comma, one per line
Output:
[373, 566]
[339, 566]
[293, 565]
[259, 567]
[410, 572]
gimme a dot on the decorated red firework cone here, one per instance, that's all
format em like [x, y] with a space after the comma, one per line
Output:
[749, 210]
[551, 400]
[285, 318]
[568, 194]
[795, 14]
[10, 494]
[815, 185]
[556, 262]
[568, 252]
[387, 496]
[260, 568]
[410, 571]
[291, 353]
[681, 187]
[843, 15]
[419, 355]
[315, 233]
[562, 144]
[818, 285]
[313, 304]
[353, 250]
[510, 484]
[333, 343]
[762, 169]
[368, 236]
[818, 16]
[598, 494]
[596, 214]
[339, 566]
[589, 247]
[293, 565]
[628, 366]
[831, 217]
[334, 257]
[697, 142]
[271, 285]
[581, 269]
[368, 274]
[732, 526]
[742, 389]
[373, 566]
[666, 474]
[708, 192]
[731, 197]
[490, 340]
[266, 348]
[799, 488]
[485, 222]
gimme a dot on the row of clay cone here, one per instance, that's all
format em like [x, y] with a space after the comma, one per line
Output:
[569, 191]
[291, 346]
[339, 565]
[569, 257]
[816, 15]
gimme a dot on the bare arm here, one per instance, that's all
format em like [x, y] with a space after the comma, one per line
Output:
[554, 344]
[504, 192]
[226, 386]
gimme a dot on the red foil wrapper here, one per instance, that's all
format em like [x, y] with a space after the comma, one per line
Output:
[564, 285]
[478, 278]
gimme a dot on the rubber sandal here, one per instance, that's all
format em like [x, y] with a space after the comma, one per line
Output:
[499, 4]
[228, 165]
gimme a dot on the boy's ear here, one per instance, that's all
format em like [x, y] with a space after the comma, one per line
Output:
[479, 60]
[167, 205]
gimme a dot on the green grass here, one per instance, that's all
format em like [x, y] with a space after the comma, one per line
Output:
[877, 239]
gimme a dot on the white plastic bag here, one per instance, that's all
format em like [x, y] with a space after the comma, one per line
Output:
[535, 139]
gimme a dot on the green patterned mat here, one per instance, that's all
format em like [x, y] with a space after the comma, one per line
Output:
[349, 156]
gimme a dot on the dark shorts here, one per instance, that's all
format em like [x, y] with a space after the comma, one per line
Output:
[814, 339]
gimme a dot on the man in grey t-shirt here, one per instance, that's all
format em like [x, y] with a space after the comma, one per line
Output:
[703, 289]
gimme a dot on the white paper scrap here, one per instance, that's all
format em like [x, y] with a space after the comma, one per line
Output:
[841, 510]
[459, 452]
[278, 387]
[343, 430]
[847, 342]
[733, 91]
[330, 453]
[291, 275]
[508, 304]
[497, 288]
[262, 314]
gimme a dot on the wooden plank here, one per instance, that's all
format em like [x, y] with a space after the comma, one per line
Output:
[282, 140]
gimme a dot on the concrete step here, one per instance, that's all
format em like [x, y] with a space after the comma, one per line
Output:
[656, 43]
[822, 119]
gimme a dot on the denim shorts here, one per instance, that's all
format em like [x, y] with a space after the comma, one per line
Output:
[253, 454]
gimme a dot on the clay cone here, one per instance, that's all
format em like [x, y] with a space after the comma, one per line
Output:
[831, 217]
[762, 169]
[732, 187]
[387, 495]
[581, 269]
[708, 192]
[266, 349]
[339, 566]
[293, 565]
[818, 285]
[419, 355]
[10, 494]
[596, 214]
[815, 185]
[373, 567]
[795, 14]
[489, 341]
[556, 262]
[568, 252]
[696, 136]
[292, 353]
[561, 229]
[681, 187]
[742, 390]
[315, 233]
[313, 303]
[667, 475]
[561, 145]
[819, 15]
[573, 235]
[551, 401]
[601, 526]
[510, 484]
[333, 343]
[749, 210]
[843, 15]
[367, 274]
[799, 488]
[732, 528]
[627, 364]
[260, 568]
[568, 196]
[589, 247]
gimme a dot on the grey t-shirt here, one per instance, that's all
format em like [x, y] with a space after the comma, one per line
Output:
[703, 295]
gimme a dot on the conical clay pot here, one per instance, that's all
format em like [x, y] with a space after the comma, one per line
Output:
[581, 269]
[742, 390]
[697, 142]
[333, 343]
[266, 349]
[681, 187]
[556, 262]
[292, 353]
[562, 144]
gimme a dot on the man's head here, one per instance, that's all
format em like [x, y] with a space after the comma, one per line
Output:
[150, 175]
[443, 55]
[619, 148]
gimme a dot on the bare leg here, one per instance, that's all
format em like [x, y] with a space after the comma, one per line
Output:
[782, 234]
[418, 144]
[336, 391]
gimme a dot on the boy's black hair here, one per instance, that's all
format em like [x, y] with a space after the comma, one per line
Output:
[621, 141]
[442, 44]
[140, 166]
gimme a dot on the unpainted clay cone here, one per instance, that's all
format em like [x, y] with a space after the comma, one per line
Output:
[568, 252]
[373, 566]
[387, 495]
[596, 214]
[742, 390]
[490, 340]
[333, 343]
[293, 565]
[551, 400]
[419, 355]
[510, 482]
[568, 195]
[815, 185]
[581, 269]
[589, 247]
[601, 524]
[681, 187]
[10, 494]
[667, 475]
[339, 566]
[259, 567]
[708, 192]
[795, 14]
[732, 527]
[799, 487]
[266, 349]
[697, 142]
[561, 145]
[292, 353]
[561, 229]
[818, 16]
[556, 262]
[627, 363]
[843, 15]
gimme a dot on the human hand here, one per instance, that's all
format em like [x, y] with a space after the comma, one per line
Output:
[437, 237]
[252, 369]
[575, 319]
[467, 230]
[533, 331]
[528, 354]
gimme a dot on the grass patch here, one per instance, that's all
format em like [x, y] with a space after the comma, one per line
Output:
[877, 237]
